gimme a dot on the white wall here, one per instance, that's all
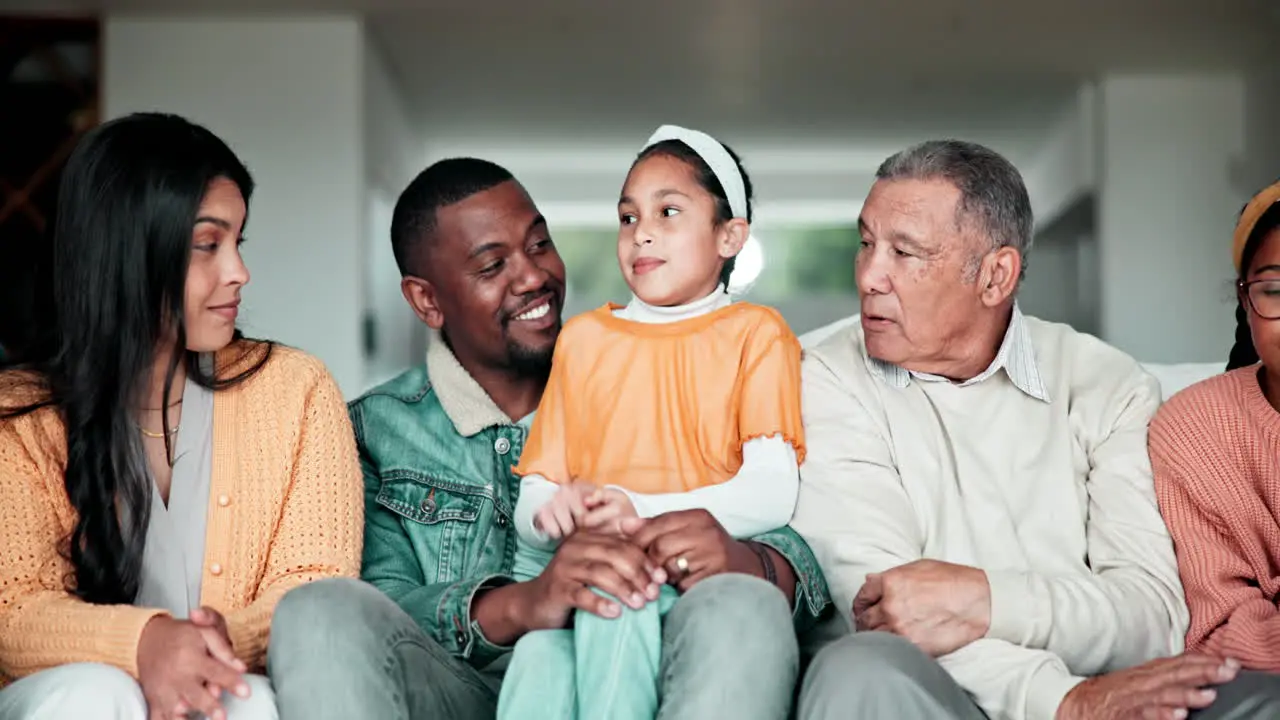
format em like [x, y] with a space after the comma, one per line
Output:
[1065, 169]
[1260, 165]
[309, 105]
[395, 145]
[1061, 180]
[400, 337]
[1061, 282]
[1166, 208]
[1049, 290]
[395, 154]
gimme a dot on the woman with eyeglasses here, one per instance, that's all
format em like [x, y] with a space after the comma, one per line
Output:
[1215, 451]
[163, 480]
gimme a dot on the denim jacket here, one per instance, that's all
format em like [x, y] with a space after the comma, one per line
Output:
[437, 455]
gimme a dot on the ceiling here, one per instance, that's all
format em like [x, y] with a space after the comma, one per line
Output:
[811, 68]
[819, 71]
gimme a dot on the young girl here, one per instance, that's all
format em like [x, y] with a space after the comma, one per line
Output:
[681, 399]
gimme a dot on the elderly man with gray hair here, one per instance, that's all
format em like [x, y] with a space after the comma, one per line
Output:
[977, 488]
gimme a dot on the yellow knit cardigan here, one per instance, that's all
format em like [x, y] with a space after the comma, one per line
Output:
[285, 508]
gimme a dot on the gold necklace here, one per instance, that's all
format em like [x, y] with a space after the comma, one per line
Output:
[157, 435]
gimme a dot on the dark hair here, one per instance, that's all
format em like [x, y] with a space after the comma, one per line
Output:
[127, 203]
[1243, 353]
[709, 182]
[992, 191]
[442, 184]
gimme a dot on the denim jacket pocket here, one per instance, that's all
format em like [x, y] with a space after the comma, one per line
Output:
[442, 519]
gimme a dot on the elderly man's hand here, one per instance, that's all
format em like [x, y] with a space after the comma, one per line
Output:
[938, 606]
[1168, 689]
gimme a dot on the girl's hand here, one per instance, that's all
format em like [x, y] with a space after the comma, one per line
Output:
[565, 511]
[606, 509]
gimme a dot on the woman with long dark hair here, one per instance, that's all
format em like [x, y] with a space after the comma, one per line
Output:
[163, 481]
[1215, 451]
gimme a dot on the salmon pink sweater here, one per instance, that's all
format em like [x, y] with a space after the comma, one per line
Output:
[1215, 451]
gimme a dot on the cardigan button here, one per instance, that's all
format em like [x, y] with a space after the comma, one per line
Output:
[223, 501]
[215, 569]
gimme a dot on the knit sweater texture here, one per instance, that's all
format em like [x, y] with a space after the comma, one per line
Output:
[285, 508]
[1215, 451]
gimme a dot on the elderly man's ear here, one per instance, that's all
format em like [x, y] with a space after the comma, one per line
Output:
[998, 280]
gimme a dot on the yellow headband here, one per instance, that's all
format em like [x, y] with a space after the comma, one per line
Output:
[1249, 218]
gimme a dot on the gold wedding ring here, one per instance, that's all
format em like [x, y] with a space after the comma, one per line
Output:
[682, 565]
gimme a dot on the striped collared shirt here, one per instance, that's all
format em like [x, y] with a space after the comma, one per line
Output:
[1016, 357]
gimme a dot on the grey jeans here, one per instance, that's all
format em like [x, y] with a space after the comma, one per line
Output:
[878, 675]
[92, 691]
[345, 650]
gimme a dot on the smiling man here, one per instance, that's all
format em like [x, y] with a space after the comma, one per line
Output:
[438, 445]
[977, 487]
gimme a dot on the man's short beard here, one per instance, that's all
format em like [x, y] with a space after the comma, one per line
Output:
[521, 360]
[529, 361]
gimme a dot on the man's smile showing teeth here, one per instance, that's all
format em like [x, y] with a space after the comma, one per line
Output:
[535, 313]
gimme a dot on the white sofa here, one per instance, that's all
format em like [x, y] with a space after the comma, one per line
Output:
[1172, 377]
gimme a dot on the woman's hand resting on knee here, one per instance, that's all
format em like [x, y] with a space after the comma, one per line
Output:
[184, 665]
[213, 628]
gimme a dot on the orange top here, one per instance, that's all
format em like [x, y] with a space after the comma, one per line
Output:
[661, 408]
[1215, 453]
[285, 509]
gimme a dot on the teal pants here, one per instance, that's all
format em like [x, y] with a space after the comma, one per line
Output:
[601, 668]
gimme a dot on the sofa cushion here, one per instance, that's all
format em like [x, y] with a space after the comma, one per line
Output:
[1177, 376]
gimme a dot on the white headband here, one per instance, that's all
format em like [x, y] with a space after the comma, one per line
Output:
[716, 158]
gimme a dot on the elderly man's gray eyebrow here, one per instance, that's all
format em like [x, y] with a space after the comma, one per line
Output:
[899, 238]
[909, 242]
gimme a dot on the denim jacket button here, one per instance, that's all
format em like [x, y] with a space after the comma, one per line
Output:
[428, 506]
[461, 638]
[502, 446]
[502, 521]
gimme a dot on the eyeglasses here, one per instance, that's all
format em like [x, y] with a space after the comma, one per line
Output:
[1263, 297]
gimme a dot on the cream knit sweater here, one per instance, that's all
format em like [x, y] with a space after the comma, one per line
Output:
[1054, 500]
